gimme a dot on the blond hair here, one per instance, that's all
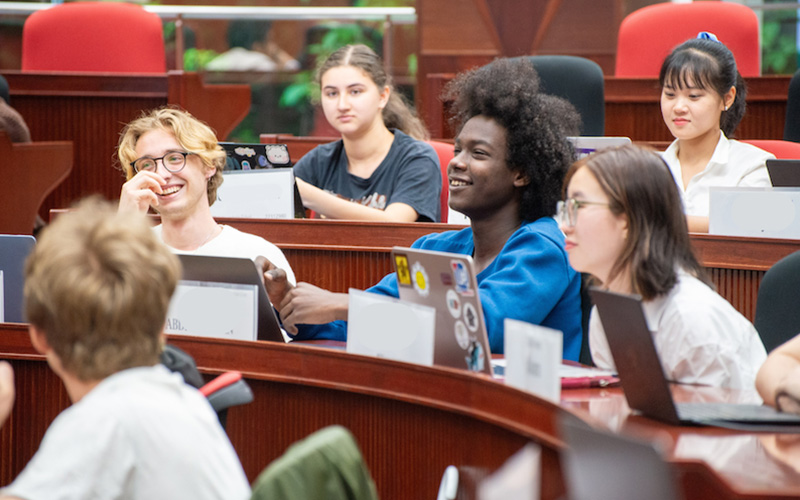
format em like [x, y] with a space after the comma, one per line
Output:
[192, 134]
[98, 284]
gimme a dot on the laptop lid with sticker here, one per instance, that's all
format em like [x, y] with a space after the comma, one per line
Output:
[446, 282]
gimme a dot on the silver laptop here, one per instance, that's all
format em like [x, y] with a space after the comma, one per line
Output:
[231, 270]
[784, 173]
[14, 249]
[600, 465]
[645, 385]
[586, 145]
[446, 282]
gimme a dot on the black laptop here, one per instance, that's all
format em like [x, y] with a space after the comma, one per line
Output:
[14, 249]
[645, 385]
[784, 173]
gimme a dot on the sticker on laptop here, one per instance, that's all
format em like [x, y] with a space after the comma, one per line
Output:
[403, 274]
[475, 357]
[420, 279]
[471, 317]
[453, 303]
[462, 335]
[461, 275]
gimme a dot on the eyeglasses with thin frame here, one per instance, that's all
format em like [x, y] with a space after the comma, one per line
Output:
[567, 210]
[173, 161]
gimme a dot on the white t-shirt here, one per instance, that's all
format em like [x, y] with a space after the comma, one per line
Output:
[700, 338]
[733, 164]
[141, 433]
[233, 243]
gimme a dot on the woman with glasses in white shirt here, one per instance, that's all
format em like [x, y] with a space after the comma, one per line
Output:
[624, 225]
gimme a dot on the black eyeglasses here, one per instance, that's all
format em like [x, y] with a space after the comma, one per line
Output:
[173, 161]
[567, 210]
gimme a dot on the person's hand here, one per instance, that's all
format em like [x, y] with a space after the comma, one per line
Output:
[275, 281]
[311, 305]
[787, 395]
[6, 391]
[139, 193]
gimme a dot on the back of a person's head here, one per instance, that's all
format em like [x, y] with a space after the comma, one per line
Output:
[245, 33]
[192, 134]
[640, 187]
[709, 65]
[397, 113]
[536, 124]
[98, 283]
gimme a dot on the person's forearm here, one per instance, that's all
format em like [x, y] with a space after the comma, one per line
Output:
[333, 207]
[697, 224]
[774, 373]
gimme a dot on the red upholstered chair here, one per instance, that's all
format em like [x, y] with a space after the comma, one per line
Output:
[783, 150]
[445, 153]
[646, 36]
[94, 36]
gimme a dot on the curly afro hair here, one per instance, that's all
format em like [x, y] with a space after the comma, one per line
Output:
[537, 124]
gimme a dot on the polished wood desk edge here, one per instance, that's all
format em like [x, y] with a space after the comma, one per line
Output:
[446, 389]
[58, 83]
[443, 388]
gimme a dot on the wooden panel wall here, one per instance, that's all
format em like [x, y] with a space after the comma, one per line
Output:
[91, 109]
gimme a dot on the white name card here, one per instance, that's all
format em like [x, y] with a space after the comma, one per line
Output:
[755, 212]
[533, 358]
[390, 328]
[256, 194]
[218, 310]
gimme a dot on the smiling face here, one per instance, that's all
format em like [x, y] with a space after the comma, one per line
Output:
[692, 112]
[480, 181]
[351, 101]
[185, 192]
[598, 237]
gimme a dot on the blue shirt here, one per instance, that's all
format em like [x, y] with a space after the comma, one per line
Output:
[529, 280]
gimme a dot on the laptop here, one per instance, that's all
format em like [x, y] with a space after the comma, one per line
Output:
[784, 173]
[259, 183]
[229, 270]
[646, 387]
[600, 465]
[446, 282]
[586, 145]
[14, 249]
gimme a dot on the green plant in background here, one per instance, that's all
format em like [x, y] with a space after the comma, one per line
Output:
[779, 42]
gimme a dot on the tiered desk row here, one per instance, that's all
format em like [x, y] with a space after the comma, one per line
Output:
[413, 421]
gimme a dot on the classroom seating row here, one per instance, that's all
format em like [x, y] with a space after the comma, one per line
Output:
[410, 421]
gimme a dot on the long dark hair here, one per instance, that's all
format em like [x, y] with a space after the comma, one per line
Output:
[397, 113]
[709, 65]
[640, 186]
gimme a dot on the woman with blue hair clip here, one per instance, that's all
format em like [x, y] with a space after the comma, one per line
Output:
[702, 103]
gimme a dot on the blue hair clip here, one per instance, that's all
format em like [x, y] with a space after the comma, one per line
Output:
[705, 35]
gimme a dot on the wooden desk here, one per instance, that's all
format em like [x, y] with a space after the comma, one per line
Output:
[337, 255]
[410, 421]
[90, 110]
[633, 109]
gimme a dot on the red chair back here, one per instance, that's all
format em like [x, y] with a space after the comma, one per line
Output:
[783, 150]
[94, 36]
[648, 35]
[445, 153]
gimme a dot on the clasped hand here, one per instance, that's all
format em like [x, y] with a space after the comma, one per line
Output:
[301, 304]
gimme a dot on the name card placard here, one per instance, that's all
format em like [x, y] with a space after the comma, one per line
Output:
[217, 310]
[390, 328]
[754, 212]
[256, 194]
[533, 358]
